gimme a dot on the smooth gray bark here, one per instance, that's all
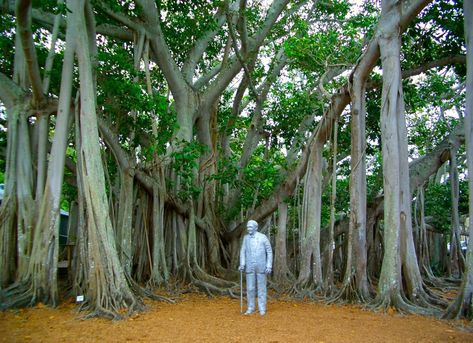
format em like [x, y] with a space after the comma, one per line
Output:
[108, 290]
[282, 274]
[389, 286]
[463, 304]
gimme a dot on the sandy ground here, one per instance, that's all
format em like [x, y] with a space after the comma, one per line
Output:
[197, 318]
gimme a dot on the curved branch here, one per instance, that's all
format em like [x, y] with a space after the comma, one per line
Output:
[198, 50]
[10, 92]
[23, 17]
[174, 77]
[254, 43]
[203, 80]
[120, 17]
[448, 60]
[423, 167]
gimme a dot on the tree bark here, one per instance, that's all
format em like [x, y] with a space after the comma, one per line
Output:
[310, 230]
[124, 222]
[330, 246]
[463, 304]
[108, 290]
[282, 274]
[9, 203]
[390, 284]
[456, 262]
[399, 245]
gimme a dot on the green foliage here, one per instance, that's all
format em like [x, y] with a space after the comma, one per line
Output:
[185, 163]
[335, 41]
[438, 205]
[177, 16]
[7, 44]
[127, 103]
[226, 172]
[292, 105]
[261, 176]
[436, 33]
[374, 175]
[373, 125]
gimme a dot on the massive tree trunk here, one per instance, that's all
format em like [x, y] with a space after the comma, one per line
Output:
[463, 304]
[9, 204]
[390, 281]
[108, 290]
[399, 245]
[39, 283]
[355, 281]
[17, 210]
[24, 192]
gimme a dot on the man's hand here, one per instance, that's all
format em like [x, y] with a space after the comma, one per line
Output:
[241, 268]
[267, 270]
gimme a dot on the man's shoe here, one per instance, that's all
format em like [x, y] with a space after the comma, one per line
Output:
[262, 313]
[248, 312]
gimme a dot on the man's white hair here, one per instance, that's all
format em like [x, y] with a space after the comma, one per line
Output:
[252, 223]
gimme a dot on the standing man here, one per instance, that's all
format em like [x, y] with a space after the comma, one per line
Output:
[256, 259]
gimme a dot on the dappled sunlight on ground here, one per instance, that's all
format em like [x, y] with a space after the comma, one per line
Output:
[197, 318]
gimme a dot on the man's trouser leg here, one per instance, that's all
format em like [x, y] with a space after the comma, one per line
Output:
[261, 277]
[251, 290]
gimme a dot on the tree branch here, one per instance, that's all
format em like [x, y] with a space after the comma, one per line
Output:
[254, 43]
[242, 27]
[10, 92]
[205, 79]
[449, 60]
[120, 17]
[23, 17]
[188, 69]
[423, 167]
[165, 61]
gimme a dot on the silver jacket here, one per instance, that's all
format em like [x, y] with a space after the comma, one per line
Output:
[256, 254]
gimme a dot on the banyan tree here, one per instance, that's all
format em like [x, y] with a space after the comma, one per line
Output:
[158, 128]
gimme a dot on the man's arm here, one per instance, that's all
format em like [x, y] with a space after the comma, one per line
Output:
[242, 255]
[269, 255]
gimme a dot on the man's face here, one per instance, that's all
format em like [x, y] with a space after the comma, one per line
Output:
[251, 229]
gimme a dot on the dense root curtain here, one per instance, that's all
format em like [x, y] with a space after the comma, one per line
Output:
[38, 283]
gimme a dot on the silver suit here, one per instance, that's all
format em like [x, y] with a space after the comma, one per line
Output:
[256, 259]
